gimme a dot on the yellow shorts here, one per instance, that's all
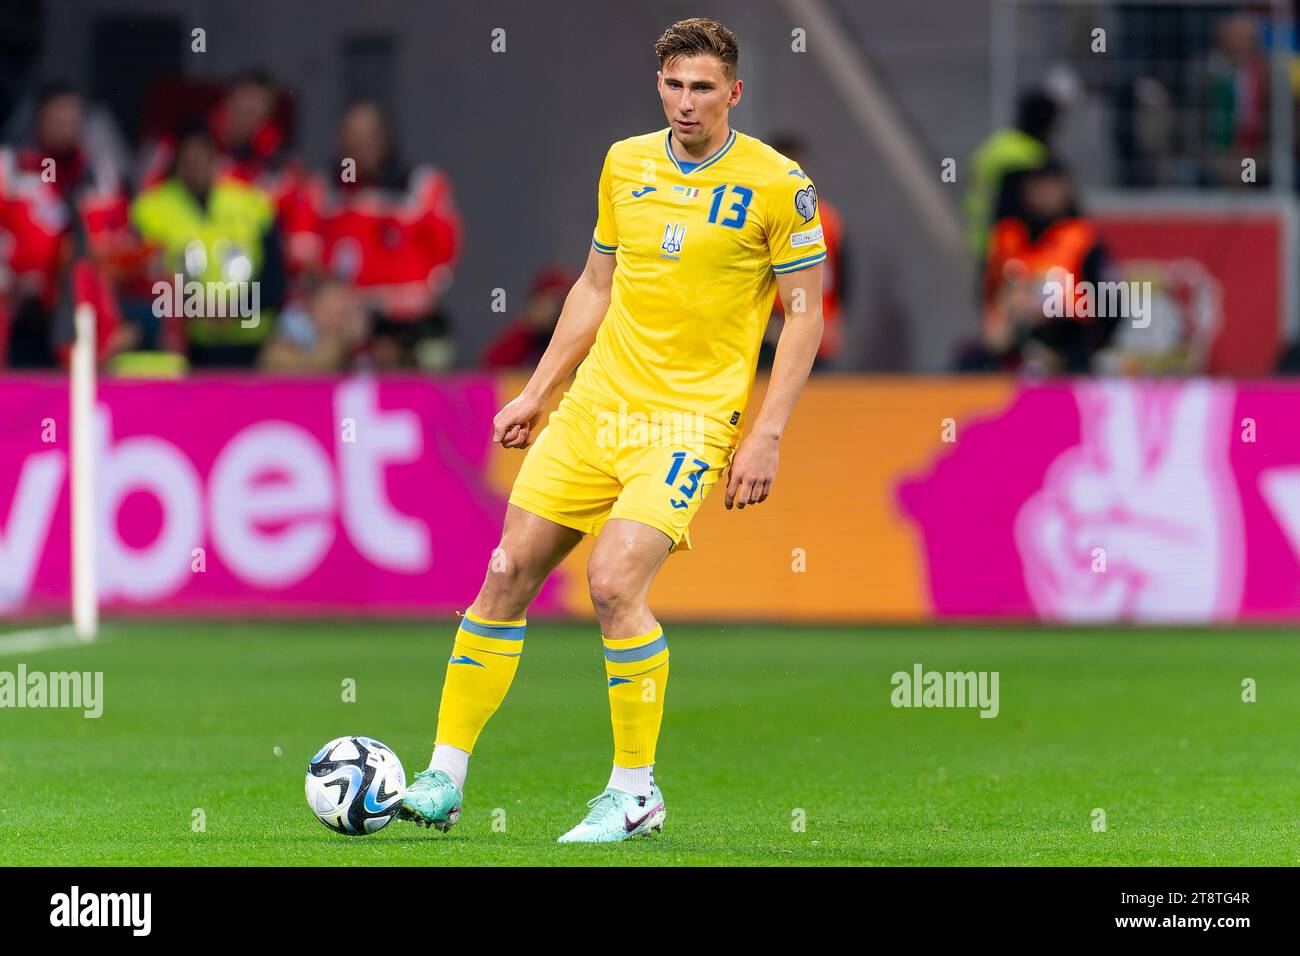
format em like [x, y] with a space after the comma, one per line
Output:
[589, 465]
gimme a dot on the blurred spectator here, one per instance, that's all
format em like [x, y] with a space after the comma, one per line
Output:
[391, 230]
[324, 332]
[1024, 146]
[249, 129]
[834, 272]
[522, 342]
[1236, 102]
[214, 230]
[62, 224]
[1039, 235]
[1144, 133]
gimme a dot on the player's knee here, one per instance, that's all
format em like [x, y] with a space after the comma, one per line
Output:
[506, 579]
[609, 589]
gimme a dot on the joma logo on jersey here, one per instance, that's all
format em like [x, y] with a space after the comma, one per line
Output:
[674, 233]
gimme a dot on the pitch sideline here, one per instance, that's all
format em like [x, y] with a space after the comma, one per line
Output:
[39, 639]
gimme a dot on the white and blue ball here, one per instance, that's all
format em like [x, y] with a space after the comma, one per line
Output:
[355, 785]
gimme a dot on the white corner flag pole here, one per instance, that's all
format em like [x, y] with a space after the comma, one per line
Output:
[85, 604]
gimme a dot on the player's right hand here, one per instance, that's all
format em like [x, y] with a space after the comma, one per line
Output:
[515, 425]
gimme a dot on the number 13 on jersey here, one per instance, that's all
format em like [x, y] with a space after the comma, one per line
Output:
[739, 208]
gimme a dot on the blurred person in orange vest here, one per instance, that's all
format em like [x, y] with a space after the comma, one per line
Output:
[833, 272]
[1025, 145]
[1040, 242]
[63, 224]
[392, 230]
[524, 340]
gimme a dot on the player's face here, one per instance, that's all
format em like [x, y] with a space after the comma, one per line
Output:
[696, 96]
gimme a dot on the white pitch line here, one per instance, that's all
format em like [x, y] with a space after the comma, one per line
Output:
[38, 639]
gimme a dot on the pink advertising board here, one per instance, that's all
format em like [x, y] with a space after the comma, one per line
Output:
[1072, 501]
[249, 496]
[1105, 501]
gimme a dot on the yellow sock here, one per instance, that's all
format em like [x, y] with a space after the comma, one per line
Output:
[638, 676]
[483, 663]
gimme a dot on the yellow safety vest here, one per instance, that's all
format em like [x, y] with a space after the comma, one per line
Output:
[214, 246]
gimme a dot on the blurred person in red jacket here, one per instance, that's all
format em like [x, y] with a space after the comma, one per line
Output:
[523, 341]
[63, 226]
[249, 132]
[1040, 241]
[392, 230]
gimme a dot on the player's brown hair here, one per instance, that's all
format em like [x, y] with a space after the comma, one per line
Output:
[699, 36]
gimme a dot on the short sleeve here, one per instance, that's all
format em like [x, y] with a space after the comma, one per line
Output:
[606, 236]
[794, 228]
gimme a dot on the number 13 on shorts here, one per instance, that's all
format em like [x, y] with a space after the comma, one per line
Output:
[692, 482]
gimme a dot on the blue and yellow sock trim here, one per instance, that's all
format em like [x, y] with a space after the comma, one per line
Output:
[627, 657]
[494, 637]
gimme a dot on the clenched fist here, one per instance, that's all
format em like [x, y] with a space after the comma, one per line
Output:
[515, 425]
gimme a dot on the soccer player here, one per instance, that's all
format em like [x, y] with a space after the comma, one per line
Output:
[698, 227]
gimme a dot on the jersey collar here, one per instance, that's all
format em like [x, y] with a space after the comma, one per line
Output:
[687, 168]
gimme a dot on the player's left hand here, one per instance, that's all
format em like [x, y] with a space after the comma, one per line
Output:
[753, 469]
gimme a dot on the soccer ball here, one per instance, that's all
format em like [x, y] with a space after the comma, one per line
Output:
[354, 785]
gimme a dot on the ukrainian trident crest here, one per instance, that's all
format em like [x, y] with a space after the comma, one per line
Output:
[674, 233]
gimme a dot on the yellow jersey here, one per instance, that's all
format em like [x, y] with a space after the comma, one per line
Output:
[698, 249]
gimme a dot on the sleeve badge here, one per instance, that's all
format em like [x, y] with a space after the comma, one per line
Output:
[805, 202]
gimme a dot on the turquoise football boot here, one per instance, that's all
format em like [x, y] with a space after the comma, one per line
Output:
[617, 815]
[431, 800]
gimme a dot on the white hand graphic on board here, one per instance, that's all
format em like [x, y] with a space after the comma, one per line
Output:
[1149, 495]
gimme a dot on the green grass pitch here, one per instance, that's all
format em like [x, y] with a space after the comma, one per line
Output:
[765, 726]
